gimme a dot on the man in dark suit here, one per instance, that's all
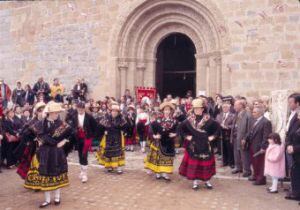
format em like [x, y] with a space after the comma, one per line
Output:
[292, 142]
[292, 124]
[226, 120]
[18, 95]
[80, 90]
[257, 138]
[238, 138]
[85, 127]
[42, 88]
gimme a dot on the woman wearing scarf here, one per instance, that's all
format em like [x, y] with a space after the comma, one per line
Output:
[162, 149]
[112, 147]
[53, 166]
[199, 130]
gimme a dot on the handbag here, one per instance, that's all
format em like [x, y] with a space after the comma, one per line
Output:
[11, 138]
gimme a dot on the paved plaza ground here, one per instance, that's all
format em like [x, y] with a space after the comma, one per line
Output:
[135, 189]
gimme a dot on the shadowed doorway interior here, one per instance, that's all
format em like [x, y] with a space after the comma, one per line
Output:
[175, 67]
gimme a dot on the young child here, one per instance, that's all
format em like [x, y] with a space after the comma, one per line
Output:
[274, 161]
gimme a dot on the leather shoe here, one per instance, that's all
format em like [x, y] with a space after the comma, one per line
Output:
[246, 174]
[57, 203]
[235, 171]
[291, 197]
[259, 183]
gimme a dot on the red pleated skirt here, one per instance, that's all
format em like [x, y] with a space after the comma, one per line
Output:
[197, 169]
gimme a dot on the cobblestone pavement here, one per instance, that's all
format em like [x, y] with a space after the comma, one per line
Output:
[135, 189]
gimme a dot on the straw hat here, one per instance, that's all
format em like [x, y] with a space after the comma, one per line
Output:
[38, 106]
[166, 104]
[198, 103]
[53, 107]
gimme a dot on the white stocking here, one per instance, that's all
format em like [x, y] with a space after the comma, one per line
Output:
[48, 196]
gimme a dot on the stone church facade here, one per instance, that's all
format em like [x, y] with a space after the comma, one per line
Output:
[247, 47]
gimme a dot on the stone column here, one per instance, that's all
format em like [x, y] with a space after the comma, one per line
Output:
[140, 68]
[218, 61]
[123, 67]
[202, 74]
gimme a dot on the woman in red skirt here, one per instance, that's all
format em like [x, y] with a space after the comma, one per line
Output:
[199, 130]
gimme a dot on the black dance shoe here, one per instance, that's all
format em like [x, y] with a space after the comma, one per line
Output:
[56, 203]
[44, 205]
[208, 186]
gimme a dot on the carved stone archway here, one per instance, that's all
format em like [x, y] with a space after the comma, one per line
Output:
[149, 23]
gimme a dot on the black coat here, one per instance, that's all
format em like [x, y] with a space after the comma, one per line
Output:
[258, 135]
[295, 142]
[18, 96]
[164, 127]
[29, 97]
[113, 128]
[89, 125]
[27, 139]
[293, 127]
[52, 160]
[199, 147]
[130, 119]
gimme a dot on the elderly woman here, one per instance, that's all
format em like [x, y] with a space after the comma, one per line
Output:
[162, 149]
[112, 147]
[199, 130]
[53, 166]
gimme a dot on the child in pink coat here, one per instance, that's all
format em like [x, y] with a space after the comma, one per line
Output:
[275, 161]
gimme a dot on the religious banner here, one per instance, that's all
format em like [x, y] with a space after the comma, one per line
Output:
[145, 93]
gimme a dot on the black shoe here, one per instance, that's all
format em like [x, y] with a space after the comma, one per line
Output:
[56, 203]
[166, 179]
[259, 183]
[44, 205]
[291, 197]
[246, 174]
[196, 187]
[232, 166]
[273, 192]
[208, 186]
[235, 171]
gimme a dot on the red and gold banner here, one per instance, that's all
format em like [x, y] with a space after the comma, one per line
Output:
[141, 92]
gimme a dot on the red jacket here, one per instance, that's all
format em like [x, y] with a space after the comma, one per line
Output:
[7, 92]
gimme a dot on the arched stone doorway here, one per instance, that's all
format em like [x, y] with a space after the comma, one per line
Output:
[141, 32]
[176, 66]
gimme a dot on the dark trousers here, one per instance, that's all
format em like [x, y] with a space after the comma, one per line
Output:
[258, 164]
[83, 157]
[228, 157]
[8, 149]
[295, 179]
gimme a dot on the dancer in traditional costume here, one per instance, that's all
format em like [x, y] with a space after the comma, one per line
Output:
[112, 147]
[162, 148]
[198, 129]
[53, 166]
[86, 129]
[130, 128]
[28, 167]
